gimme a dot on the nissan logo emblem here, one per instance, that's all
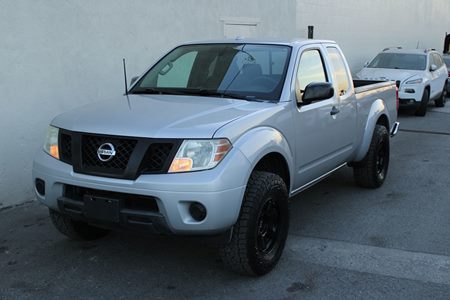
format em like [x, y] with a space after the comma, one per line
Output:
[106, 152]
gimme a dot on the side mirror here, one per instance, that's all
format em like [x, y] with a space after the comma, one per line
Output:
[317, 91]
[133, 80]
[433, 68]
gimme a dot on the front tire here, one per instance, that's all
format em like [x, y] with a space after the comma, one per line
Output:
[372, 170]
[261, 231]
[422, 109]
[440, 102]
[75, 230]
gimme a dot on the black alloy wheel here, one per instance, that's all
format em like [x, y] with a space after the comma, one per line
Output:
[268, 227]
[372, 170]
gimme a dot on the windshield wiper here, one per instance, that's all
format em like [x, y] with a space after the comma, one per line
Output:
[199, 92]
[156, 91]
[213, 93]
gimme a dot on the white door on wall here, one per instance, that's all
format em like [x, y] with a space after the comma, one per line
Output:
[240, 27]
[243, 30]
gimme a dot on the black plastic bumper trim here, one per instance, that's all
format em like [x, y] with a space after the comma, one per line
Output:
[144, 221]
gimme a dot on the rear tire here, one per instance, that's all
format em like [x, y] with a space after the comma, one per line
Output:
[440, 102]
[422, 109]
[372, 170]
[260, 233]
[76, 230]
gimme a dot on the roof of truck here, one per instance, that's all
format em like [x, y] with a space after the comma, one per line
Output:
[244, 40]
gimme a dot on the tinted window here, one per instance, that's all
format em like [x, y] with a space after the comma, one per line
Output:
[247, 70]
[176, 74]
[340, 75]
[399, 61]
[272, 62]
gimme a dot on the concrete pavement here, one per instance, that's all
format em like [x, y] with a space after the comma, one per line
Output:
[344, 242]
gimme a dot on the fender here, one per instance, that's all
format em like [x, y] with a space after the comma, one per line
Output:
[377, 109]
[260, 141]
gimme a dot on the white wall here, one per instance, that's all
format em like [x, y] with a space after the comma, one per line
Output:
[56, 55]
[364, 27]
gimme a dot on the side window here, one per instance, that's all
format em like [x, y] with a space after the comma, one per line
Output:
[433, 60]
[310, 69]
[440, 60]
[176, 73]
[342, 82]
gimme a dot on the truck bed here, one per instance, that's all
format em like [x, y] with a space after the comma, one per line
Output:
[368, 85]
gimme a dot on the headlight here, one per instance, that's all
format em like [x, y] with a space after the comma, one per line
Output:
[51, 142]
[196, 155]
[415, 81]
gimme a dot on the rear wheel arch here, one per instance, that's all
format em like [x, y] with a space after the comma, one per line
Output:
[384, 121]
[378, 114]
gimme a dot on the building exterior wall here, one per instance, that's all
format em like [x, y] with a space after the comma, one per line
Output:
[363, 28]
[56, 55]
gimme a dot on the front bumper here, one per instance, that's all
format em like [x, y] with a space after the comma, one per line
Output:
[410, 95]
[219, 190]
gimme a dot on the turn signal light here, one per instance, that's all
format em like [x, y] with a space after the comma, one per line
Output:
[181, 165]
[54, 151]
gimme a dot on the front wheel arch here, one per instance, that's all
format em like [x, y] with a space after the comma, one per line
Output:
[266, 144]
[275, 163]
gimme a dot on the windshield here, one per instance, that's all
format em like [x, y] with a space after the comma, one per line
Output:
[399, 61]
[243, 71]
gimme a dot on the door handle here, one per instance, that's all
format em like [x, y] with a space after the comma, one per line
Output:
[334, 111]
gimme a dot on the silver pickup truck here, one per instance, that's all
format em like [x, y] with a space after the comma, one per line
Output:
[213, 140]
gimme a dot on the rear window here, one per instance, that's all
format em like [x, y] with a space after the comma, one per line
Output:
[401, 61]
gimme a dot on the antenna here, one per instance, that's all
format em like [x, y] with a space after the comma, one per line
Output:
[125, 75]
[417, 47]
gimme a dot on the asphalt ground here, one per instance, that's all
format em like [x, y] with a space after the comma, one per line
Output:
[344, 243]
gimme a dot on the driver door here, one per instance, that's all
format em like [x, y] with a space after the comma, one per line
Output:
[317, 138]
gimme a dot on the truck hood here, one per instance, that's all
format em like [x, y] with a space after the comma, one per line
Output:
[387, 74]
[157, 116]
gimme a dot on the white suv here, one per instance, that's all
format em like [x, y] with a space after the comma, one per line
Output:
[421, 75]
